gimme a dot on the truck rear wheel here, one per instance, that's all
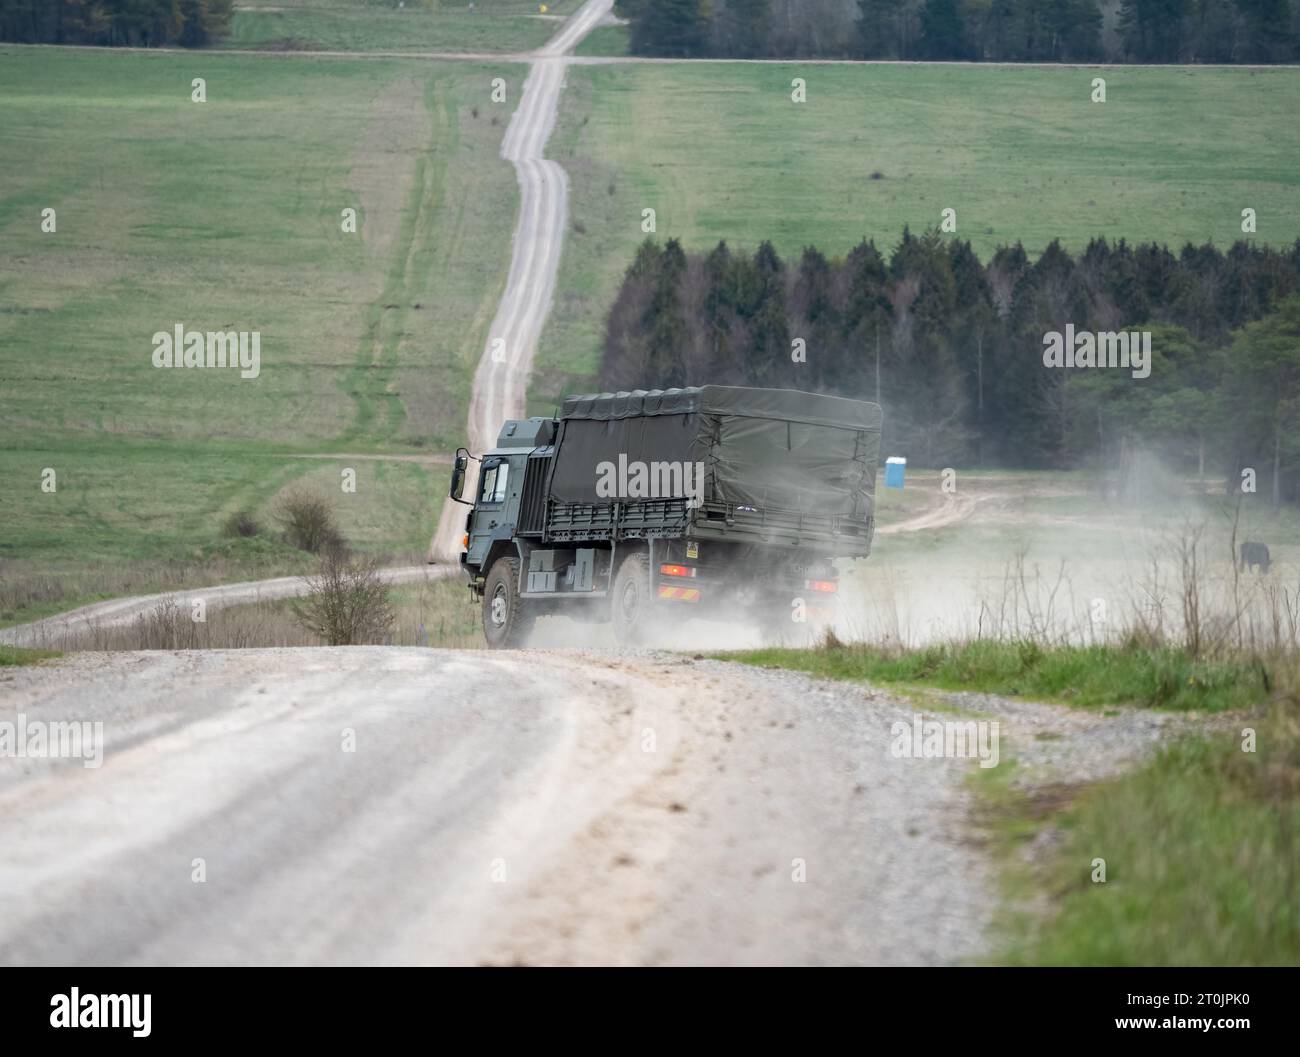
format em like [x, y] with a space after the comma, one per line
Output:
[631, 601]
[507, 618]
[777, 627]
[772, 619]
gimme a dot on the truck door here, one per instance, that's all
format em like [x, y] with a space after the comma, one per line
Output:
[495, 508]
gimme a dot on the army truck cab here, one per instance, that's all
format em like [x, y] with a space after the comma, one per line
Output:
[720, 502]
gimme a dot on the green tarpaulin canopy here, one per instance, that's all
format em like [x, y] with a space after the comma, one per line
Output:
[763, 448]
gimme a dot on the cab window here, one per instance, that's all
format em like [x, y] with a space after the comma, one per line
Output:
[493, 489]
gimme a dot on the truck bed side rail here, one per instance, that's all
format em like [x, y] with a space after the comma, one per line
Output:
[846, 534]
[851, 531]
[640, 519]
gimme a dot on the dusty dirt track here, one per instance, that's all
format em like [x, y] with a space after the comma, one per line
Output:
[500, 382]
[558, 808]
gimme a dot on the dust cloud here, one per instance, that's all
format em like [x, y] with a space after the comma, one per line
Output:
[1055, 557]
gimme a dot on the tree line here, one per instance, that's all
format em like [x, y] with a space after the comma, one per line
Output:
[133, 23]
[1143, 31]
[953, 347]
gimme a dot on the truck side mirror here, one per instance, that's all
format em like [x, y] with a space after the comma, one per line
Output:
[458, 476]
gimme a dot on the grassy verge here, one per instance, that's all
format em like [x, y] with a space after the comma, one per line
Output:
[1202, 859]
[31, 590]
[13, 656]
[1087, 676]
[436, 612]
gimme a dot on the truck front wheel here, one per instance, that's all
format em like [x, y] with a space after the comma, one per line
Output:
[631, 601]
[507, 618]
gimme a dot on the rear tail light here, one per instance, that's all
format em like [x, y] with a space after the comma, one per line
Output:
[827, 586]
[677, 570]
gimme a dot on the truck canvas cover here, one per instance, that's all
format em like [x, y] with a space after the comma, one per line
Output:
[772, 449]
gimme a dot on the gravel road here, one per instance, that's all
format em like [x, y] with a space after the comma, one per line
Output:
[499, 386]
[539, 807]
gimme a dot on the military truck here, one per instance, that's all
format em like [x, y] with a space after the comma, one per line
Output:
[720, 502]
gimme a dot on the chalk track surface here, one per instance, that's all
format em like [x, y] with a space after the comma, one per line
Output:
[410, 806]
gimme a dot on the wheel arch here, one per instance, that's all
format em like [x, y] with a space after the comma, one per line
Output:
[512, 547]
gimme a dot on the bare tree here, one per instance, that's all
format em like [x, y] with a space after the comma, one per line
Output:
[346, 604]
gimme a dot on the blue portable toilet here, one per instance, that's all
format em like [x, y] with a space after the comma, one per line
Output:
[895, 467]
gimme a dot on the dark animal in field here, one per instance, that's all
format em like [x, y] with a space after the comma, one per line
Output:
[1255, 555]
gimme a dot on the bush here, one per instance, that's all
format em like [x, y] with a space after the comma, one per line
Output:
[167, 626]
[308, 522]
[346, 602]
[241, 524]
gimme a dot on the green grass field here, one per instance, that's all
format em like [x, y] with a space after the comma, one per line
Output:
[605, 40]
[227, 215]
[720, 151]
[380, 25]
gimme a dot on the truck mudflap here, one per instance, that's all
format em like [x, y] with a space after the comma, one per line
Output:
[676, 583]
[679, 594]
[682, 581]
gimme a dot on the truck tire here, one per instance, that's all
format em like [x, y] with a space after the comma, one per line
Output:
[773, 624]
[777, 629]
[631, 601]
[507, 618]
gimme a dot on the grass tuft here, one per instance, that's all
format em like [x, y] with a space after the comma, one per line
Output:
[1089, 676]
[14, 656]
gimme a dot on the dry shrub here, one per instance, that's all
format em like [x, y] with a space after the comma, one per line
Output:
[831, 641]
[241, 524]
[308, 521]
[346, 602]
[165, 627]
